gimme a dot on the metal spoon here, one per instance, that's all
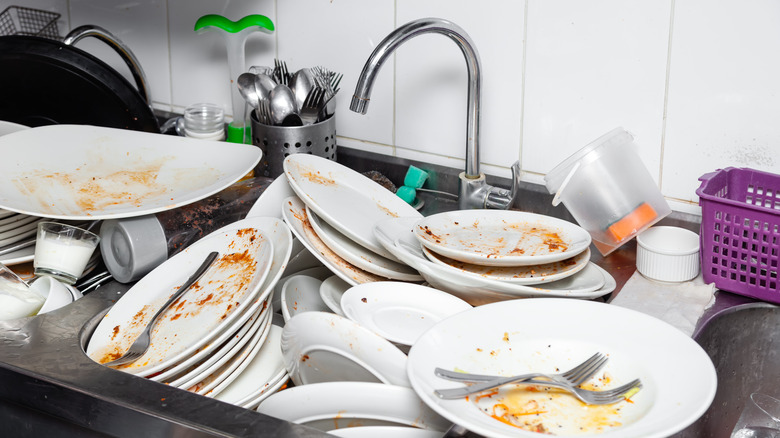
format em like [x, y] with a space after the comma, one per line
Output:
[282, 104]
[246, 86]
[301, 85]
[264, 84]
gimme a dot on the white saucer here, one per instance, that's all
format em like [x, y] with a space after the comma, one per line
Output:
[399, 312]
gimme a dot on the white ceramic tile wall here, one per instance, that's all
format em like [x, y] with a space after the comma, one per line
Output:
[694, 80]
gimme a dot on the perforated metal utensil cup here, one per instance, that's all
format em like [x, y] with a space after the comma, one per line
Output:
[278, 142]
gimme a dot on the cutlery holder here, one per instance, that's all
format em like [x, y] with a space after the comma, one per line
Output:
[278, 142]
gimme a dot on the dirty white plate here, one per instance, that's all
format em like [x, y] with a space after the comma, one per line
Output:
[501, 237]
[336, 405]
[532, 274]
[265, 370]
[225, 291]
[399, 312]
[324, 347]
[331, 292]
[358, 255]
[25, 226]
[493, 339]
[7, 127]
[268, 391]
[395, 234]
[294, 214]
[281, 237]
[301, 293]
[23, 255]
[349, 201]
[221, 354]
[92, 172]
[224, 375]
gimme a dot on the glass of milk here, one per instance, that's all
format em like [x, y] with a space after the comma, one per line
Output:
[62, 251]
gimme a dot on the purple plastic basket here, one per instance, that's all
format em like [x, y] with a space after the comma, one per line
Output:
[740, 231]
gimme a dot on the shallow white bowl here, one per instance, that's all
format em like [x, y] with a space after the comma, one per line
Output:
[668, 254]
[57, 294]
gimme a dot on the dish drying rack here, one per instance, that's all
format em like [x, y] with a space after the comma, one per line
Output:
[18, 20]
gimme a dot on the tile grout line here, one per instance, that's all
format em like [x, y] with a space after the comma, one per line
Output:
[522, 83]
[666, 97]
[395, 76]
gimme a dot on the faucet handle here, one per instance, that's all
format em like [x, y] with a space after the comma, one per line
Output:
[503, 199]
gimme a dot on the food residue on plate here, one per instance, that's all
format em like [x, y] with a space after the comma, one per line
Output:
[549, 410]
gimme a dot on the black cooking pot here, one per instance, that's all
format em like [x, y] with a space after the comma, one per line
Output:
[45, 82]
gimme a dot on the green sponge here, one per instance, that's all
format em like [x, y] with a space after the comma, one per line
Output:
[415, 177]
[407, 193]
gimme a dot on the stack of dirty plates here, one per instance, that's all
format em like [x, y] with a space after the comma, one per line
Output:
[484, 256]
[17, 228]
[333, 215]
[220, 328]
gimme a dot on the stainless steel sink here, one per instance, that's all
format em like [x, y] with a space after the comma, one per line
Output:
[743, 340]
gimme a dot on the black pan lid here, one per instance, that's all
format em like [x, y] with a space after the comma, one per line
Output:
[45, 82]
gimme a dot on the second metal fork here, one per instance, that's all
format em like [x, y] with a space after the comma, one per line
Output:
[574, 377]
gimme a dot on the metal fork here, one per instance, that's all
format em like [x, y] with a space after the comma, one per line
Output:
[310, 112]
[264, 112]
[141, 344]
[575, 376]
[281, 74]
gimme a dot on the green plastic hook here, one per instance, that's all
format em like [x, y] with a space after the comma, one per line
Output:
[213, 20]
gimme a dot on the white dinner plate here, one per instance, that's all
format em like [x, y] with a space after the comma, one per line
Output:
[349, 201]
[268, 391]
[385, 432]
[269, 203]
[23, 255]
[358, 255]
[324, 347]
[399, 312]
[501, 237]
[12, 220]
[19, 237]
[294, 214]
[591, 282]
[7, 127]
[222, 354]
[92, 172]
[531, 274]
[229, 287]
[301, 293]
[335, 405]
[678, 377]
[265, 370]
[6, 213]
[219, 379]
[331, 292]
[25, 226]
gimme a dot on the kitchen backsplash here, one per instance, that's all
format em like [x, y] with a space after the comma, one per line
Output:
[695, 81]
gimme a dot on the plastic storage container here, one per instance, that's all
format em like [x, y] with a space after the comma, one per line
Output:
[608, 190]
[740, 231]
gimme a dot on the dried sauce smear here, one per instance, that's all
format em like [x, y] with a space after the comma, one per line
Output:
[216, 295]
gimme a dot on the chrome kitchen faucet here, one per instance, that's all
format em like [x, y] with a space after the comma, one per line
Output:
[473, 191]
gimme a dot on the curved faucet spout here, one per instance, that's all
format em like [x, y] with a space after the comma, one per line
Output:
[408, 31]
